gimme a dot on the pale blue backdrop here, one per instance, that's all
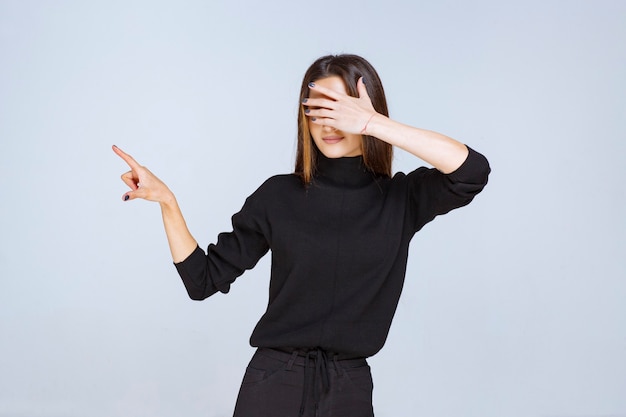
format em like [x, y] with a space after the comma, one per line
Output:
[513, 306]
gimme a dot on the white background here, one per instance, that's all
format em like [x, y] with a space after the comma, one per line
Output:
[513, 306]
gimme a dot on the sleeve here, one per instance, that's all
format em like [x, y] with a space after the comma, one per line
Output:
[204, 274]
[432, 193]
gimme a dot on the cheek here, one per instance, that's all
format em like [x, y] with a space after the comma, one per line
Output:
[314, 132]
[314, 129]
[357, 142]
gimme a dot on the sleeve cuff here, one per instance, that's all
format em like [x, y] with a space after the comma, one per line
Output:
[475, 169]
[191, 262]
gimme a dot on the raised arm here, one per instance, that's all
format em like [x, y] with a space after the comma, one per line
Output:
[145, 185]
[442, 152]
[357, 115]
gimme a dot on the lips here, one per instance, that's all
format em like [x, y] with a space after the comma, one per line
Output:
[332, 139]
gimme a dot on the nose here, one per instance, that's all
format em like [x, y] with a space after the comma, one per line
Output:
[328, 128]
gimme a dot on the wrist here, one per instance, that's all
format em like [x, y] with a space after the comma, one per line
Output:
[364, 131]
[374, 124]
[168, 202]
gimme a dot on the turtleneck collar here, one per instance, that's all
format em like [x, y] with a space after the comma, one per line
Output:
[346, 171]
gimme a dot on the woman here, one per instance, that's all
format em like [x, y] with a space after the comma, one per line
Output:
[338, 228]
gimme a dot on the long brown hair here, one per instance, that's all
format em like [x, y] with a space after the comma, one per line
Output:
[377, 154]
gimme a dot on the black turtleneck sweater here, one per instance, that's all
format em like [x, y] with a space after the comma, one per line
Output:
[339, 250]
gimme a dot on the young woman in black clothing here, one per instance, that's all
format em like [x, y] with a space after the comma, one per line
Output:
[338, 228]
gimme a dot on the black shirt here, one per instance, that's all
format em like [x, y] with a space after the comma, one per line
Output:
[339, 250]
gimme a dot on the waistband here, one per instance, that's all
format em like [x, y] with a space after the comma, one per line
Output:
[300, 356]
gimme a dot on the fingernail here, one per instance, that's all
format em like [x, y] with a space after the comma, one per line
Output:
[307, 111]
[305, 100]
[126, 197]
[313, 119]
[311, 84]
[363, 80]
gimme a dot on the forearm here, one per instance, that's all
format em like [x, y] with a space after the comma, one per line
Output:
[442, 152]
[180, 240]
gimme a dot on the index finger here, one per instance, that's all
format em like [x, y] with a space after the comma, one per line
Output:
[126, 157]
[335, 95]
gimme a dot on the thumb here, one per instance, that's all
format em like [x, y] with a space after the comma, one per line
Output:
[361, 89]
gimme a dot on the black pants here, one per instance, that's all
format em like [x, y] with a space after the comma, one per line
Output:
[305, 384]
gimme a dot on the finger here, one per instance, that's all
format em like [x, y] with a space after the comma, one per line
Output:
[319, 113]
[324, 121]
[132, 195]
[320, 102]
[129, 196]
[130, 179]
[126, 157]
[362, 90]
[335, 95]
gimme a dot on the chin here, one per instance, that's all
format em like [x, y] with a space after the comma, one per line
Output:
[333, 155]
[337, 153]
